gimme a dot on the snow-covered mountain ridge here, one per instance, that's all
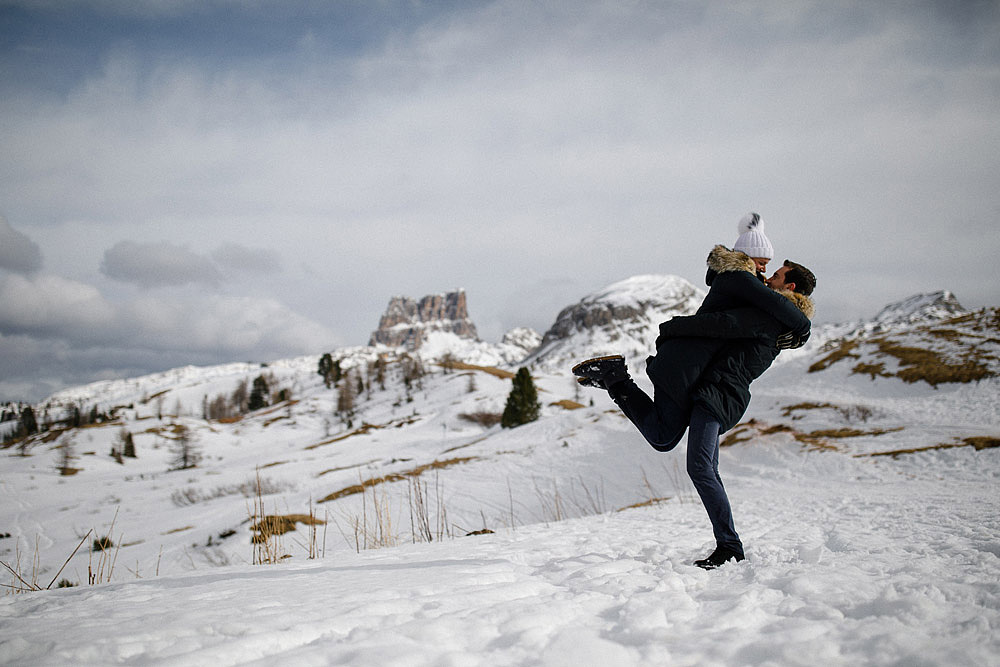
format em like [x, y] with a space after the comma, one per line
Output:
[928, 338]
[858, 552]
[622, 318]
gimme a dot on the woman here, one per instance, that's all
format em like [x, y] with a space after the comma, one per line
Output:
[703, 368]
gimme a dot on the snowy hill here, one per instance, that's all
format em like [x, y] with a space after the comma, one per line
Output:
[620, 319]
[865, 495]
[921, 308]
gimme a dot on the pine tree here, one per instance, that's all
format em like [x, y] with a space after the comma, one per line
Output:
[29, 425]
[522, 402]
[329, 370]
[258, 395]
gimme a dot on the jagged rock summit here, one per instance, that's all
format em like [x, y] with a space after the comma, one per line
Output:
[622, 318]
[406, 323]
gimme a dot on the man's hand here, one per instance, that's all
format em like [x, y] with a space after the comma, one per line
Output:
[792, 340]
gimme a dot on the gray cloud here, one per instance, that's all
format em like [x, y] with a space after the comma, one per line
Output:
[18, 253]
[503, 146]
[158, 265]
[54, 330]
[241, 259]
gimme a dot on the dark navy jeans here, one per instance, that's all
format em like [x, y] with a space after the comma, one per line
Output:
[662, 423]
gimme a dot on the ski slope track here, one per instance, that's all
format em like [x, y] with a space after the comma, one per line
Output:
[867, 501]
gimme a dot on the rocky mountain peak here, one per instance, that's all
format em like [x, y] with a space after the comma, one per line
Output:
[920, 307]
[407, 322]
[622, 318]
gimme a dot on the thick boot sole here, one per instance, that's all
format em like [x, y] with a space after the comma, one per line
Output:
[581, 368]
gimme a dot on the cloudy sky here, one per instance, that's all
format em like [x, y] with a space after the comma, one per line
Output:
[202, 181]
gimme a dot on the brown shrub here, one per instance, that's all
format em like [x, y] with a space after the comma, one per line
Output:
[482, 417]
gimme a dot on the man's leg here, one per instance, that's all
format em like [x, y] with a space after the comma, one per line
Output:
[661, 422]
[703, 468]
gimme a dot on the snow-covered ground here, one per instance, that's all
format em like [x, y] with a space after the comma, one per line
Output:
[852, 559]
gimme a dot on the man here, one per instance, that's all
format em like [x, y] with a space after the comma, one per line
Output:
[703, 368]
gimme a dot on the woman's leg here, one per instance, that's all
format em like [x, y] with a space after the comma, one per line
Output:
[703, 468]
[661, 422]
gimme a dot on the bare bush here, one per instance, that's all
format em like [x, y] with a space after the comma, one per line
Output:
[482, 418]
[248, 489]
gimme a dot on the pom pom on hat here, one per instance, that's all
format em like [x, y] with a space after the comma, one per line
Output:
[752, 239]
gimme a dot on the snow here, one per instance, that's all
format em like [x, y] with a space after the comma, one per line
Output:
[851, 558]
[849, 563]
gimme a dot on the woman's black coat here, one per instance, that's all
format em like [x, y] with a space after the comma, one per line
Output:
[711, 358]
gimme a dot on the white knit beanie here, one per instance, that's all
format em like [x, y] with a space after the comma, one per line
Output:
[752, 240]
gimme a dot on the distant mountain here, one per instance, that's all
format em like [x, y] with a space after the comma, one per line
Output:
[406, 323]
[914, 310]
[928, 338]
[921, 308]
[622, 318]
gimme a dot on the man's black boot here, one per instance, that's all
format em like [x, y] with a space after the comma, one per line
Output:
[719, 556]
[605, 370]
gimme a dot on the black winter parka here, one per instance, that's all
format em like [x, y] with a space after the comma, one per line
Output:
[711, 358]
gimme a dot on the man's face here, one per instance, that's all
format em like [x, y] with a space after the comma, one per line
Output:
[777, 281]
[761, 263]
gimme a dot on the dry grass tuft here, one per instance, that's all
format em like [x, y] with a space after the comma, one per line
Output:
[852, 432]
[789, 409]
[976, 442]
[279, 524]
[365, 428]
[873, 370]
[490, 370]
[740, 433]
[752, 428]
[848, 412]
[844, 350]
[644, 503]
[361, 486]
[567, 404]
[982, 442]
[918, 364]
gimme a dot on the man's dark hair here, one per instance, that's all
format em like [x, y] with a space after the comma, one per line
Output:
[805, 281]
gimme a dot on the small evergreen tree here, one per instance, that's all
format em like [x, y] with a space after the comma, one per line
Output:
[29, 426]
[522, 402]
[123, 446]
[326, 370]
[258, 395]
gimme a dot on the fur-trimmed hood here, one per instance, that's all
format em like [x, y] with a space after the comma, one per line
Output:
[722, 260]
[801, 301]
